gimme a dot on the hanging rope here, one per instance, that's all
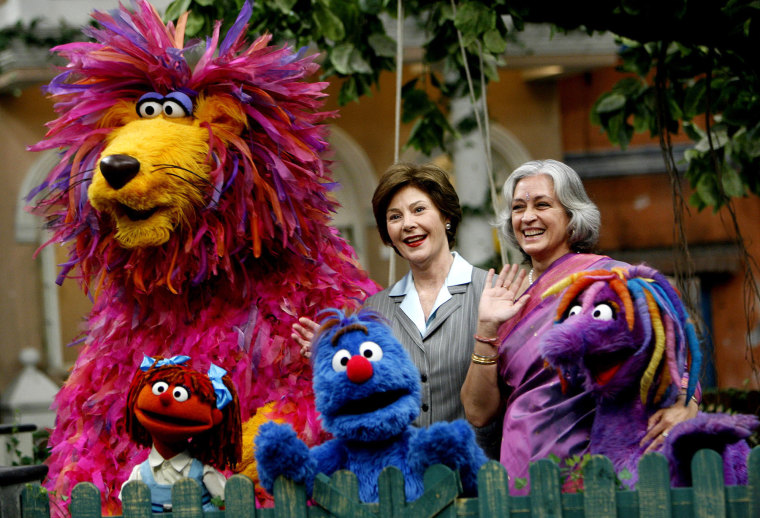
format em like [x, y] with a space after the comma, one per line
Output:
[483, 126]
[397, 142]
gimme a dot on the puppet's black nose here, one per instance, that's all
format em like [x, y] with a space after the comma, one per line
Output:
[118, 170]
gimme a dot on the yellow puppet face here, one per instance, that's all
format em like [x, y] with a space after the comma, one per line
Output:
[153, 175]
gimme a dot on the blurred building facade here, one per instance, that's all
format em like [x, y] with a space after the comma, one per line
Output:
[538, 109]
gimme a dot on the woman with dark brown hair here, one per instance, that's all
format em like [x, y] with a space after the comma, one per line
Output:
[433, 310]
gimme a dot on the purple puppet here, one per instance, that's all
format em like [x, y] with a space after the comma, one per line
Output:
[625, 335]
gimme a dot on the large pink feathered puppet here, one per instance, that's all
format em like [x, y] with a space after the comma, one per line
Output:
[625, 335]
[193, 197]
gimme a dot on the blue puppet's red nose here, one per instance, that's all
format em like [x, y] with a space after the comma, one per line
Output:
[359, 369]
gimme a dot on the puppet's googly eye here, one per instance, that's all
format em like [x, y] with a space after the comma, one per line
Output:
[160, 387]
[149, 109]
[574, 311]
[174, 109]
[603, 312]
[180, 394]
[340, 360]
[178, 104]
[371, 351]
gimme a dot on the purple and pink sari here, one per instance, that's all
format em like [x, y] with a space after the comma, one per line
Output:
[541, 420]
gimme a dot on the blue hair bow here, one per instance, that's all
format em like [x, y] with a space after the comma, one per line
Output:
[223, 395]
[149, 362]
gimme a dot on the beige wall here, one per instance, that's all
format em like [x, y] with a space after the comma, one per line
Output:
[22, 123]
[21, 120]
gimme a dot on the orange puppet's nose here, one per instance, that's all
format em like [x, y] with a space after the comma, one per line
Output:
[359, 369]
[166, 398]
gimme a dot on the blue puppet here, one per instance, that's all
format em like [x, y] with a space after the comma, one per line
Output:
[368, 393]
[625, 335]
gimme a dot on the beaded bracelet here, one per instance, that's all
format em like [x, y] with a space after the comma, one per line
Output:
[479, 359]
[490, 341]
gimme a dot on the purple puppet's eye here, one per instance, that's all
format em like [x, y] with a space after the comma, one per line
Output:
[603, 312]
[573, 311]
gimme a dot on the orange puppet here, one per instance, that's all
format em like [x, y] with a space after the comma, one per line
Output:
[190, 420]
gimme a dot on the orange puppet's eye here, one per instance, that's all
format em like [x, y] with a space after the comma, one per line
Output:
[160, 387]
[180, 393]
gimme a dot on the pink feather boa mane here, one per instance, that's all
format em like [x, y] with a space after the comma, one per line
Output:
[269, 186]
[227, 286]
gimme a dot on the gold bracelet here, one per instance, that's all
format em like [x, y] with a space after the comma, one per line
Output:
[490, 341]
[479, 359]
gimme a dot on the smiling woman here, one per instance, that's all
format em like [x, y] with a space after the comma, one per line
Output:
[555, 224]
[433, 309]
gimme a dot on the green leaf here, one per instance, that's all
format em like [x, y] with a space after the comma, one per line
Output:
[357, 64]
[204, 3]
[613, 127]
[175, 9]
[732, 182]
[610, 102]
[707, 190]
[348, 92]
[494, 42]
[719, 139]
[416, 104]
[521, 482]
[195, 22]
[327, 23]
[340, 57]
[284, 6]
[474, 18]
[424, 137]
[371, 6]
[383, 45]
[694, 102]
[696, 201]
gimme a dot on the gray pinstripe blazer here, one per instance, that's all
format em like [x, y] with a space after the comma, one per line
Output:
[443, 354]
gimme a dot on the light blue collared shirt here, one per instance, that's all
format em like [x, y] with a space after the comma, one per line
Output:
[459, 273]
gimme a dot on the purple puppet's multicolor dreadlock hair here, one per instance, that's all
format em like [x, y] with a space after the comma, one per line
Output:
[650, 300]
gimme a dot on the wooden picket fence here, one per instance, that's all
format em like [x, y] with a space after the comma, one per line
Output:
[338, 496]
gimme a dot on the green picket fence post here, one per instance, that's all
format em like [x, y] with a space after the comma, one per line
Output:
[654, 487]
[186, 499]
[338, 495]
[709, 491]
[239, 498]
[290, 499]
[599, 488]
[135, 500]
[753, 484]
[85, 501]
[391, 493]
[35, 502]
[442, 487]
[545, 492]
[493, 490]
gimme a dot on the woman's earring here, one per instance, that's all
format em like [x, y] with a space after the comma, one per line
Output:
[448, 226]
